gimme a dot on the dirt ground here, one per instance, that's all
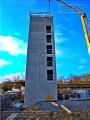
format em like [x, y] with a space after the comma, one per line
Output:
[32, 113]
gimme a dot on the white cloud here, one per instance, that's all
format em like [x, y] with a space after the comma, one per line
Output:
[58, 65]
[83, 61]
[89, 51]
[59, 26]
[58, 51]
[71, 32]
[69, 20]
[59, 37]
[12, 76]
[16, 33]
[80, 67]
[3, 63]
[12, 45]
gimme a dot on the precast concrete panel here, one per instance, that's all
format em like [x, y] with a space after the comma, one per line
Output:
[37, 86]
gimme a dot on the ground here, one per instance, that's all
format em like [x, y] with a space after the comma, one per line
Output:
[47, 111]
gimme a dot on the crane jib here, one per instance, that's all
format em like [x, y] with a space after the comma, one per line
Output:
[83, 17]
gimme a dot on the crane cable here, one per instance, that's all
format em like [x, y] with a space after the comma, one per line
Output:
[75, 6]
[75, 9]
[49, 4]
[80, 11]
[88, 21]
[70, 7]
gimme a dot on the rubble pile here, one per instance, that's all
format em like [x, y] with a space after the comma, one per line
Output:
[34, 112]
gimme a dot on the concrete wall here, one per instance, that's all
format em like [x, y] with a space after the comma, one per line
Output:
[36, 85]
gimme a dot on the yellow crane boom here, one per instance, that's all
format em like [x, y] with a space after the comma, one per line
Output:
[83, 20]
[83, 16]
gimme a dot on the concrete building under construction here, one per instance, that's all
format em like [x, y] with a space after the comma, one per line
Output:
[40, 82]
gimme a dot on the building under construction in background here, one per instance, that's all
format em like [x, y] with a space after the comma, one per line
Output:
[40, 82]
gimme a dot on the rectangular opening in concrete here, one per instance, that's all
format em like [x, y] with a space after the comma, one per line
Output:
[48, 38]
[49, 49]
[49, 61]
[48, 29]
[49, 74]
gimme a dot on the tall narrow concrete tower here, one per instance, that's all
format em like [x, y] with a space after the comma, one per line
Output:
[40, 83]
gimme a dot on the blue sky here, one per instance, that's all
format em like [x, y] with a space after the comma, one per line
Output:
[71, 50]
